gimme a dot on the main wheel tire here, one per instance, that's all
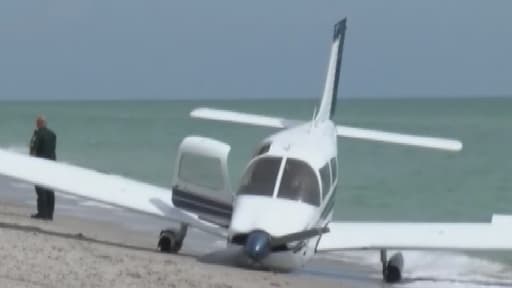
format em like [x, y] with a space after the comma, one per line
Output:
[169, 243]
[393, 270]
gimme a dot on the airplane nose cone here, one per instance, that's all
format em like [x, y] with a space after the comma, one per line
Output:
[257, 246]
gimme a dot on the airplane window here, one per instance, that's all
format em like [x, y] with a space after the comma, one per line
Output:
[325, 175]
[260, 178]
[299, 182]
[201, 170]
[334, 169]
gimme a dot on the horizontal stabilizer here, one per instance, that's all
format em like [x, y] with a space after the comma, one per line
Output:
[496, 235]
[398, 138]
[242, 118]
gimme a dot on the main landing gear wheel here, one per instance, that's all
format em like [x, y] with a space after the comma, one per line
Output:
[171, 240]
[392, 269]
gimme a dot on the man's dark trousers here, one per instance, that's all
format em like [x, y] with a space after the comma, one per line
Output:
[50, 203]
[45, 202]
[40, 200]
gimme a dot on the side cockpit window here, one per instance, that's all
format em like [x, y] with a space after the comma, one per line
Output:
[334, 169]
[299, 182]
[325, 176]
[260, 178]
[200, 170]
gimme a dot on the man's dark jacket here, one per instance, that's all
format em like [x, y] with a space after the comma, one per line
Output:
[43, 143]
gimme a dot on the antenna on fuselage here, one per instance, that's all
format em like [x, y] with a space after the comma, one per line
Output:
[313, 122]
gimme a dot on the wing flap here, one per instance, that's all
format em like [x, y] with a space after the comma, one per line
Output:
[418, 236]
[110, 189]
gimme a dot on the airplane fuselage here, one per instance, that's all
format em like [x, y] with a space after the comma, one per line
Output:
[288, 187]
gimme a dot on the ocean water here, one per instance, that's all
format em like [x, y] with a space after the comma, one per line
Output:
[378, 181]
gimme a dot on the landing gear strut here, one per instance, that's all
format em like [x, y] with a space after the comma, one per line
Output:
[392, 269]
[171, 240]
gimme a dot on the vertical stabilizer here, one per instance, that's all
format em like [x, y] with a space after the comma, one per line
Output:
[328, 102]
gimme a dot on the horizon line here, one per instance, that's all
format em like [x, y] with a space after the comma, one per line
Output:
[349, 98]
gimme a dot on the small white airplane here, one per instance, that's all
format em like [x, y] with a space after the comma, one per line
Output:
[281, 215]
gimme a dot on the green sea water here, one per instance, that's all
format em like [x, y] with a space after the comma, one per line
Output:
[378, 181]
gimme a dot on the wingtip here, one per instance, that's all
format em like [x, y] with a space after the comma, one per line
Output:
[449, 145]
[459, 146]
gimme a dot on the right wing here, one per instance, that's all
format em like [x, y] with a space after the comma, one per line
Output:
[110, 189]
[496, 235]
[243, 118]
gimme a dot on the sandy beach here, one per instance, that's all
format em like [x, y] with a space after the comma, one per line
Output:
[74, 252]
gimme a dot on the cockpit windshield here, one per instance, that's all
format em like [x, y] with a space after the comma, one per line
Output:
[260, 178]
[299, 182]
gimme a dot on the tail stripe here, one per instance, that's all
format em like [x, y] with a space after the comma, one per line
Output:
[339, 35]
[328, 101]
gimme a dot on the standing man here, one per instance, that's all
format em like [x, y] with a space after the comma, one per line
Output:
[43, 144]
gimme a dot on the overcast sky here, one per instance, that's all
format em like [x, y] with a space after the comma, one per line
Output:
[124, 49]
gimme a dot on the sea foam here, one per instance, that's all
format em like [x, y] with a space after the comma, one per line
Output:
[437, 269]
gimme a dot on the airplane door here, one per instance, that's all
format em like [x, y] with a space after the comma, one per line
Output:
[201, 182]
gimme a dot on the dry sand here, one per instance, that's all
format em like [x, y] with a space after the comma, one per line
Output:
[73, 252]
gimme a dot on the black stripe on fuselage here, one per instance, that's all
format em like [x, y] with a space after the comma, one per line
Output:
[203, 206]
[329, 206]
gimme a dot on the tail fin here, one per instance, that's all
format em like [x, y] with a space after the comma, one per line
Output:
[328, 102]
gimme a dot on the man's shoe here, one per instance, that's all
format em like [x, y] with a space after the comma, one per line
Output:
[36, 216]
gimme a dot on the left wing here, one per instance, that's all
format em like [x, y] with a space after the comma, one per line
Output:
[110, 189]
[496, 235]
